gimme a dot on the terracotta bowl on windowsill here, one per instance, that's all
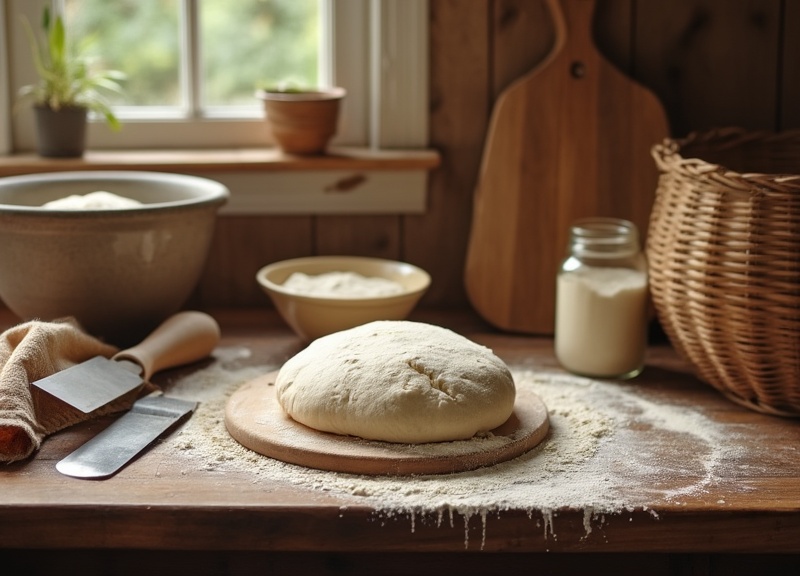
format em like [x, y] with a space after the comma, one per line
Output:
[302, 122]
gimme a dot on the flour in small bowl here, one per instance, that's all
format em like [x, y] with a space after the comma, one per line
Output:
[341, 285]
[99, 200]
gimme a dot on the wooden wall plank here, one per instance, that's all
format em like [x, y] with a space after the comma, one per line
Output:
[460, 106]
[373, 236]
[241, 246]
[522, 36]
[612, 32]
[790, 79]
[712, 62]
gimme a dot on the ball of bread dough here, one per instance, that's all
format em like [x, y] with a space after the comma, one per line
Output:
[397, 381]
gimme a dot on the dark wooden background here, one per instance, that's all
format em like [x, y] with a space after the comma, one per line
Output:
[712, 63]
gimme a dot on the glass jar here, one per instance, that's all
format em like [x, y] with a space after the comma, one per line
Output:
[601, 300]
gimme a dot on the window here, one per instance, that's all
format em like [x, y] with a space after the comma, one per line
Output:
[376, 49]
[229, 47]
[201, 59]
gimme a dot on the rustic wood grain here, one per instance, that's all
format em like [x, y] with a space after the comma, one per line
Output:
[227, 160]
[459, 112]
[613, 33]
[375, 236]
[522, 34]
[165, 504]
[241, 246]
[790, 73]
[256, 420]
[569, 139]
[713, 62]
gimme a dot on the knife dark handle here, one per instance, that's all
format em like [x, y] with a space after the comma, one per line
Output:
[181, 339]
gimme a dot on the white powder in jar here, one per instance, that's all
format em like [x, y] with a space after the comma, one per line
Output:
[341, 285]
[99, 200]
[601, 320]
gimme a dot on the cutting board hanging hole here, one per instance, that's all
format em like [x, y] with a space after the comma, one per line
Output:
[578, 69]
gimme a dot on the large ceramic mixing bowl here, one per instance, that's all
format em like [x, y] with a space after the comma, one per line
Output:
[118, 271]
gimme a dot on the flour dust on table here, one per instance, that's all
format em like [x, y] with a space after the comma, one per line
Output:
[599, 457]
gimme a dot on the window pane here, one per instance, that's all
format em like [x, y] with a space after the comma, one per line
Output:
[138, 37]
[250, 42]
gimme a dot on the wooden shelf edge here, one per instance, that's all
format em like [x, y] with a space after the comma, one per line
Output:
[224, 160]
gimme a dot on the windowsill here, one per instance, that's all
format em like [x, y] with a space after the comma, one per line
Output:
[347, 180]
[224, 160]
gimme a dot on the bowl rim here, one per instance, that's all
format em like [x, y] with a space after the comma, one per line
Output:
[265, 282]
[315, 94]
[213, 192]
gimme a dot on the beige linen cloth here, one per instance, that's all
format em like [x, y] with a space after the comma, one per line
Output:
[28, 352]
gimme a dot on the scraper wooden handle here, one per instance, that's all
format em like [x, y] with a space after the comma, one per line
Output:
[182, 338]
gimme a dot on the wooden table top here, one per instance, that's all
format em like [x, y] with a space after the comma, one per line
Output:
[671, 466]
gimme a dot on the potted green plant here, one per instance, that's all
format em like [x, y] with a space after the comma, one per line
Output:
[302, 120]
[69, 87]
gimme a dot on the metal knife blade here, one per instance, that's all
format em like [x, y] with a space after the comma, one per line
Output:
[114, 447]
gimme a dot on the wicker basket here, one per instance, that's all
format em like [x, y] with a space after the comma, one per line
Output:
[724, 253]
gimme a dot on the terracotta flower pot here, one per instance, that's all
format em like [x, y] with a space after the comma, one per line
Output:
[303, 122]
[61, 133]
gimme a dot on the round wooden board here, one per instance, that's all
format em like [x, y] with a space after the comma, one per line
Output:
[255, 419]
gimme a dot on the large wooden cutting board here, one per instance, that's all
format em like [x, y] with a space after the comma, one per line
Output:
[570, 139]
[255, 419]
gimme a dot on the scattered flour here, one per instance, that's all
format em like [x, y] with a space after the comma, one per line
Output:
[599, 456]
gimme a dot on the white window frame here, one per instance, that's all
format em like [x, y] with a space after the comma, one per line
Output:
[380, 54]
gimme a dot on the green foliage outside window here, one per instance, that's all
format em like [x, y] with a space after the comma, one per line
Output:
[243, 44]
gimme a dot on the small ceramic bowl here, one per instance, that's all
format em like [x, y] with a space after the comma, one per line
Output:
[314, 316]
[119, 271]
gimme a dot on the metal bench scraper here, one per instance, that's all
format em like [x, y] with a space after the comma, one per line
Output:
[182, 338]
